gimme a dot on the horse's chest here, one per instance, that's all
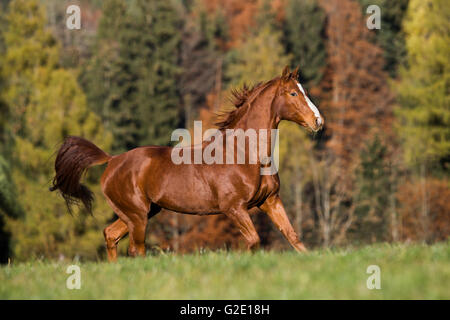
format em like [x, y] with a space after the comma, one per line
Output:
[269, 185]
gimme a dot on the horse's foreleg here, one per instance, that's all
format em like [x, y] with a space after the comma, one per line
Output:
[242, 220]
[275, 210]
[113, 233]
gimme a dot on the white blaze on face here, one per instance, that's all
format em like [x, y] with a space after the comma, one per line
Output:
[309, 102]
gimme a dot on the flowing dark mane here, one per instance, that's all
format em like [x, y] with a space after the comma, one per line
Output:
[239, 98]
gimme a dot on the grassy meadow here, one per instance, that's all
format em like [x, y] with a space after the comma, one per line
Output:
[407, 272]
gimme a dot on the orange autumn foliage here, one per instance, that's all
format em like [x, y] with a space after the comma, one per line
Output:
[355, 95]
[240, 15]
[429, 223]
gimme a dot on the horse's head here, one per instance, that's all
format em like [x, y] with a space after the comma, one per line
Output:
[293, 104]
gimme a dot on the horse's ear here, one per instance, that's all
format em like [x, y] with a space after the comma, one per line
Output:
[286, 73]
[295, 73]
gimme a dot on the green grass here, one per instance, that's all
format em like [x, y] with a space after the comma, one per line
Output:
[407, 272]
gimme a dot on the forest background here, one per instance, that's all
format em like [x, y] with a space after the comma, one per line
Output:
[137, 70]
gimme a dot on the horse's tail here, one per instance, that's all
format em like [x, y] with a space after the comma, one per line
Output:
[74, 157]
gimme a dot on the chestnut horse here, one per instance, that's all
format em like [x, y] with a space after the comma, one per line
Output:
[138, 183]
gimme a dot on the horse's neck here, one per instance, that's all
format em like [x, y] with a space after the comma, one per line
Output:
[260, 117]
[259, 114]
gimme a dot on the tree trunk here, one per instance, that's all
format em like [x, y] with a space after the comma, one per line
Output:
[298, 202]
[425, 209]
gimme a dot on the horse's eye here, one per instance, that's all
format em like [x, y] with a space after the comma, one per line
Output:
[294, 94]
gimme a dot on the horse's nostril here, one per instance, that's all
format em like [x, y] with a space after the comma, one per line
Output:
[319, 121]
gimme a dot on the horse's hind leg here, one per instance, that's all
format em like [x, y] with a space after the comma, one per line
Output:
[113, 233]
[138, 226]
[135, 220]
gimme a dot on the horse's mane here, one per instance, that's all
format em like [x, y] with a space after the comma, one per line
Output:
[239, 98]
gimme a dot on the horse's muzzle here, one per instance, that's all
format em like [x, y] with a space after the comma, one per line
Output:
[319, 124]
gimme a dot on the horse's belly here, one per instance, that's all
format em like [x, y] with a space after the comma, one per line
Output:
[180, 189]
[186, 203]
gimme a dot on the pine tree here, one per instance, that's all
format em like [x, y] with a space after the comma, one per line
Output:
[212, 22]
[157, 97]
[102, 76]
[304, 39]
[131, 80]
[373, 189]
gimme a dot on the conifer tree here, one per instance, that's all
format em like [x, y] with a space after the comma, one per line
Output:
[304, 39]
[373, 188]
[157, 96]
[131, 80]
[102, 76]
